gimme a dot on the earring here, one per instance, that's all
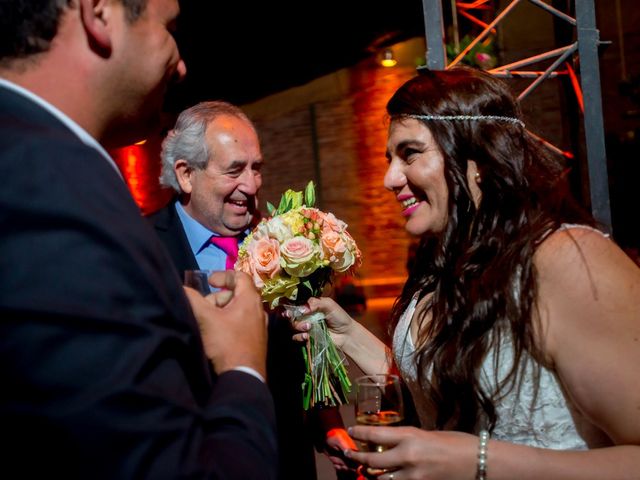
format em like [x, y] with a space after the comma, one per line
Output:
[477, 177]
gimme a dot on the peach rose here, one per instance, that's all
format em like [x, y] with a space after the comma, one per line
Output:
[341, 250]
[245, 264]
[331, 223]
[332, 244]
[264, 254]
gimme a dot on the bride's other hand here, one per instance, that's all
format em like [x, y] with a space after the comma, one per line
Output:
[416, 453]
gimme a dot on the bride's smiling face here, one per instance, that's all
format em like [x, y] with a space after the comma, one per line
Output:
[416, 176]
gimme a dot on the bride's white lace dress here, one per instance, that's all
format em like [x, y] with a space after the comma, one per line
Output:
[548, 423]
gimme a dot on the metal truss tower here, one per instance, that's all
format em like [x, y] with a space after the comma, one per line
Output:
[587, 88]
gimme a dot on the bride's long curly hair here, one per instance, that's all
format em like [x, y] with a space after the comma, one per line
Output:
[479, 270]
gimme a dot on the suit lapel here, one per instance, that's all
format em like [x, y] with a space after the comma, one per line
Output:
[170, 230]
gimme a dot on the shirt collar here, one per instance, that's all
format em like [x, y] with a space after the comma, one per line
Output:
[197, 235]
[80, 132]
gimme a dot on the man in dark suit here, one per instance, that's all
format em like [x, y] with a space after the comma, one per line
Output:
[108, 370]
[212, 159]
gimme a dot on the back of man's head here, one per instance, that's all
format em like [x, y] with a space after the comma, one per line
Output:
[27, 27]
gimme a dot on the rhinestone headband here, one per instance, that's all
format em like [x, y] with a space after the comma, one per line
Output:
[499, 118]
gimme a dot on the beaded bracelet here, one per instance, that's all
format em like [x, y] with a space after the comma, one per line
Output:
[483, 440]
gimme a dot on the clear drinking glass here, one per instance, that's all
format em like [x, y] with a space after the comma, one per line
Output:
[198, 280]
[378, 403]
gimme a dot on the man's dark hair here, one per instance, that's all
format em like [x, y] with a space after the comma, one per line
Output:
[28, 26]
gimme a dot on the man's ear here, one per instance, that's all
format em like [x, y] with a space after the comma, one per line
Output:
[183, 174]
[95, 16]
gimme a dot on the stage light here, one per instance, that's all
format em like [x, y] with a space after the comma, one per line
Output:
[388, 59]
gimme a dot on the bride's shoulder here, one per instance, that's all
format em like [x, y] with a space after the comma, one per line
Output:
[573, 246]
[580, 268]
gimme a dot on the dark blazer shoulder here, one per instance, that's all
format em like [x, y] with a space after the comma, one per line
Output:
[170, 231]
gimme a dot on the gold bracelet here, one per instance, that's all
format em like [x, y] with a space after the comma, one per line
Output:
[483, 440]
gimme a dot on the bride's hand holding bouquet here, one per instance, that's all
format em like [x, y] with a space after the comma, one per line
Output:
[339, 322]
[291, 256]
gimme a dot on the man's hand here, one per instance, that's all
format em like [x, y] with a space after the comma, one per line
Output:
[232, 322]
[337, 441]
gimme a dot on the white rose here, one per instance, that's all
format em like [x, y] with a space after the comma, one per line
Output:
[277, 229]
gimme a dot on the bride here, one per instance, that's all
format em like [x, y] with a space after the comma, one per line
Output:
[518, 329]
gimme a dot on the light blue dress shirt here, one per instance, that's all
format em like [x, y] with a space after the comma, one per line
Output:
[208, 256]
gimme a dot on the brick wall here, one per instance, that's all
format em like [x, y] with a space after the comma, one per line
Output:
[339, 142]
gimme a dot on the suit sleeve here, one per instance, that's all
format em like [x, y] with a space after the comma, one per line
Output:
[323, 420]
[100, 358]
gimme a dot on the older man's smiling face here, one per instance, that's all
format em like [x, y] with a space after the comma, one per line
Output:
[224, 194]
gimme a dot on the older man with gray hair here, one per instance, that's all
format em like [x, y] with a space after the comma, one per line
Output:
[213, 161]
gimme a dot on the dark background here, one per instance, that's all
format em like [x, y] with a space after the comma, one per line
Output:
[244, 51]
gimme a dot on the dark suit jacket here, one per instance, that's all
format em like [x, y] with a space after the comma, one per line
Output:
[101, 363]
[297, 431]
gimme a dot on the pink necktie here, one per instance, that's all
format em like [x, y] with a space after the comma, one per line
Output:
[228, 245]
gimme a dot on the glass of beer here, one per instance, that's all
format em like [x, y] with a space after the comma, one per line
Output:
[198, 280]
[379, 403]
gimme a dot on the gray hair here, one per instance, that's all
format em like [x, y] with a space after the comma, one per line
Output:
[187, 139]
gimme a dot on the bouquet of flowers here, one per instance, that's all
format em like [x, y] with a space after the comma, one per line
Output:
[291, 256]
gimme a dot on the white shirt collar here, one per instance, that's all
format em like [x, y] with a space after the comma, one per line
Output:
[80, 132]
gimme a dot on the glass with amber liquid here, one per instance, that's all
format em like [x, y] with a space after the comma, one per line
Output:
[378, 403]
